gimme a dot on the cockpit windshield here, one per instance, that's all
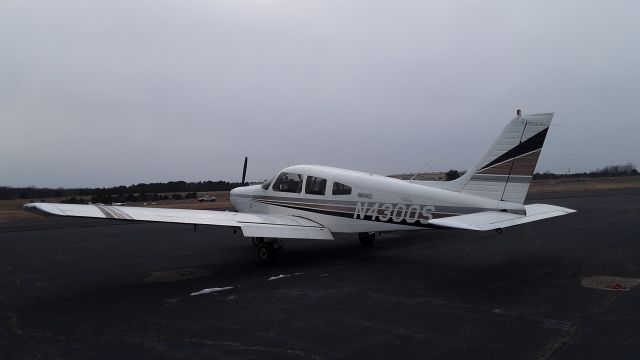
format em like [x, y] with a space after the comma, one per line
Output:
[265, 185]
[288, 182]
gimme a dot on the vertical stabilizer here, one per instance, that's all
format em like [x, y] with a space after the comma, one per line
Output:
[504, 172]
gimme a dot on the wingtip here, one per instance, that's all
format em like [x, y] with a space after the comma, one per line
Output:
[35, 208]
[29, 206]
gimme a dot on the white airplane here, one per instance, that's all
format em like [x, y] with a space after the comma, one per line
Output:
[314, 202]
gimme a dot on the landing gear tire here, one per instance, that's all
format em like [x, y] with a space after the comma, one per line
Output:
[367, 239]
[266, 252]
[256, 241]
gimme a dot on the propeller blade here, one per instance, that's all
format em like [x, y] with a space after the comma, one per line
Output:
[244, 169]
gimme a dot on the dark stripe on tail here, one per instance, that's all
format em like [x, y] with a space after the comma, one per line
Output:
[531, 144]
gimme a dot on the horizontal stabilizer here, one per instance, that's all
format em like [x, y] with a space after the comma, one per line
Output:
[256, 225]
[491, 220]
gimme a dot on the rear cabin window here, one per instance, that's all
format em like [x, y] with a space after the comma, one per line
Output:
[315, 185]
[341, 189]
[288, 182]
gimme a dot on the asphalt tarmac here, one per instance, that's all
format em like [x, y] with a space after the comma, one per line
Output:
[92, 289]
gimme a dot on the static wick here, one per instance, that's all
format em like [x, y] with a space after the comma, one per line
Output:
[519, 112]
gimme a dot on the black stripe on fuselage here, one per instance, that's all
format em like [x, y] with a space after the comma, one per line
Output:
[305, 202]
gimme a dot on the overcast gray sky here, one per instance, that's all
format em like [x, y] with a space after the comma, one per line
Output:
[103, 93]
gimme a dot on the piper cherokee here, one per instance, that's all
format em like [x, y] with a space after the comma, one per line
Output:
[315, 202]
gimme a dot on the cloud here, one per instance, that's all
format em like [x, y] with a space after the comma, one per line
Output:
[109, 93]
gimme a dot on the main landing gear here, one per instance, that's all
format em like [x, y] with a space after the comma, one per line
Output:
[367, 238]
[267, 248]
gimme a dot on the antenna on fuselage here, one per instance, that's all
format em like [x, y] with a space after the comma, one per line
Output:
[422, 168]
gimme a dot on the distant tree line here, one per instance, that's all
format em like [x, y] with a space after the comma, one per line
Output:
[157, 191]
[107, 199]
[138, 192]
[452, 174]
[608, 171]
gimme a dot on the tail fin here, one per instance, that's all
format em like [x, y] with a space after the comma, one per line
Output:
[505, 171]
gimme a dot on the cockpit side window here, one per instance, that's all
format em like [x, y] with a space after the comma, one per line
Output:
[315, 185]
[265, 185]
[288, 182]
[341, 189]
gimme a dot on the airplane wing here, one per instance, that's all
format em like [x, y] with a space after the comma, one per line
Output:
[251, 225]
[491, 220]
